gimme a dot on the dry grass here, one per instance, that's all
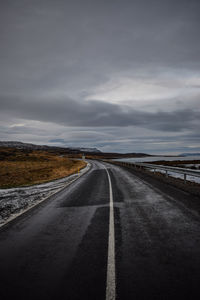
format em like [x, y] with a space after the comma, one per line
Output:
[20, 168]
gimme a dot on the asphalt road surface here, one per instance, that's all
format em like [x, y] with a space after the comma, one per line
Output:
[109, 235]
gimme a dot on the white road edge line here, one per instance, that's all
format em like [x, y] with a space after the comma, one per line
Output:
[111, 280]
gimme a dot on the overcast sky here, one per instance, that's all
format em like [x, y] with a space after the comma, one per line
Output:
[119, 75]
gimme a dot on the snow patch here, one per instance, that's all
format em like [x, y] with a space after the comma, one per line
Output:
[16, 200]
[178, 175]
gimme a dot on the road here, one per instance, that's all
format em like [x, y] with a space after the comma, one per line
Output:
[109, 235]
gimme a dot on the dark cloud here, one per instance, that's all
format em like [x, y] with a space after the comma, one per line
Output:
[50, 49]
[61, 141]
[93, 113]
[50, 42]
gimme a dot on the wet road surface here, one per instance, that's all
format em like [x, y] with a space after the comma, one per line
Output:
[60, 249]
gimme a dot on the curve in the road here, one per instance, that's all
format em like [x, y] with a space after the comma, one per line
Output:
[109, 235]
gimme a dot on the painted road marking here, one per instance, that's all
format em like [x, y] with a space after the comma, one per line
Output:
[111, 280]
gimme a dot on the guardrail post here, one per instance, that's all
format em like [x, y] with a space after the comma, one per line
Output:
[185, 178]
[139, 166]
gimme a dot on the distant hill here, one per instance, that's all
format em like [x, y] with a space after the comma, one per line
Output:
[27, 146]
[89, 152]
[189, 154]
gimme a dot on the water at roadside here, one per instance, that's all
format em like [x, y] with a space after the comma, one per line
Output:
[158, 158]
[166, 158]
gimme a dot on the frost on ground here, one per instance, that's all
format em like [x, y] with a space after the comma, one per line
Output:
[177, 175]
[191, 166]
[15, 200]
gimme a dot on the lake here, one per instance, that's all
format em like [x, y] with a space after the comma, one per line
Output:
[157, 158]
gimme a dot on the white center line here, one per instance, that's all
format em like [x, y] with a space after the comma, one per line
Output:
[111, 283]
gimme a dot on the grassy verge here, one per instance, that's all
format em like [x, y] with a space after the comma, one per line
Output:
[21, 168]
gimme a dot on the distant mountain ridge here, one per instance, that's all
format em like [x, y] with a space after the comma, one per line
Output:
[90, 152]
[189, 154]
[29, 146]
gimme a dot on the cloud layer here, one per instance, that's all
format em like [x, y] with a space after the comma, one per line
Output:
[101, 73]
[70, 112]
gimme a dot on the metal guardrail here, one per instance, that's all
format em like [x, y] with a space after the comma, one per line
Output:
[167, 169]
